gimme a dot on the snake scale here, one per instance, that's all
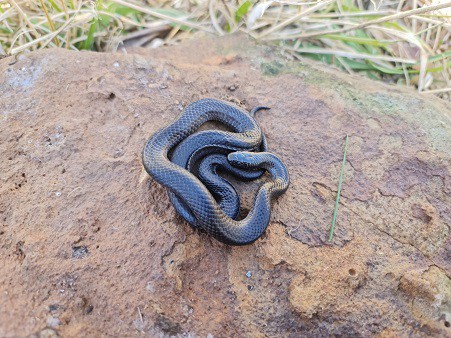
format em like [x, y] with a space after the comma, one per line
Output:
[207, 202]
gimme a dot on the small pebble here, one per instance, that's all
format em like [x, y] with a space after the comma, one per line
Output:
[53, 307]
[89, 309]
[47, 333]
[53, 322]
[80, 252]
[156, 43]
[80, 302]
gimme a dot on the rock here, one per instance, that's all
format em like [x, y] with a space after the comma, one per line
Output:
[84, 227]
[45, 333]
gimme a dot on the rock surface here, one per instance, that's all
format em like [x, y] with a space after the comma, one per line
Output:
[90, 244]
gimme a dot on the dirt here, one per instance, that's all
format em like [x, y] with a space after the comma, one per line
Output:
[91, 246]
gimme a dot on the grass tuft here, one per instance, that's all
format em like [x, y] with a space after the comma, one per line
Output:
[404, 42]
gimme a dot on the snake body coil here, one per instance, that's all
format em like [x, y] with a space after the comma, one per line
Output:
[195, 199]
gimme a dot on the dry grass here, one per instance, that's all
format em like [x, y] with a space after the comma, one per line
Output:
[405, 42]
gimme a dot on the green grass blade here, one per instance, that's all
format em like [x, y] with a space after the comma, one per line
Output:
[357, 65]
[439, 68]
[385, 70]
[440, 57]
[334, 219]
[90, 39]
[55, 6]
[361, 41]
[242, 10]
[176, 14]
[120, 9]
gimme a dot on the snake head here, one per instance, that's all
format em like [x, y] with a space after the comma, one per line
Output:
[244, 159]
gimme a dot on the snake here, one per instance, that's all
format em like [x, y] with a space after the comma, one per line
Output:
[196, 145]
[245, 134]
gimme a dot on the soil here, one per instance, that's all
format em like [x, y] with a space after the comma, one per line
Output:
[91, 246]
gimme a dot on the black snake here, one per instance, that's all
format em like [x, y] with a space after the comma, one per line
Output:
[192, 198]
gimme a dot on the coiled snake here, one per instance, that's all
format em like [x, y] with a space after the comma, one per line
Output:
[212, 148]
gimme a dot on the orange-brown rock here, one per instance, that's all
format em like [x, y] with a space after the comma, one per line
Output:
[91, 246]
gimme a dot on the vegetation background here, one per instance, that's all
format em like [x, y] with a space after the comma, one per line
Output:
[404, 42]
